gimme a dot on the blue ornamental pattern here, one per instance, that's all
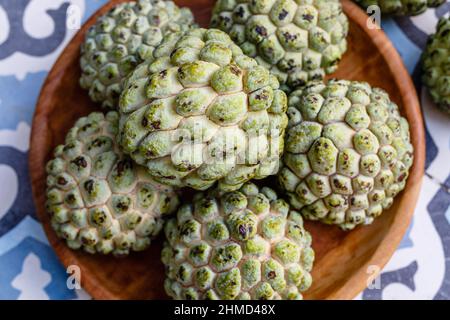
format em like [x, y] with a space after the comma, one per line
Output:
[24, 251]
[23, 203]
[439, 210]
[35, 47]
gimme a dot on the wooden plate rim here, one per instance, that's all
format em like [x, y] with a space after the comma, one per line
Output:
[385, 249]
[357, 282]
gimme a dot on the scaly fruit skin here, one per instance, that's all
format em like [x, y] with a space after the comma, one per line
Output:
[122, 39]
[401, 7]
[97, 198]
[348, 152]
[201, 112]
[299, 41]
[436, 65]
[243, 245]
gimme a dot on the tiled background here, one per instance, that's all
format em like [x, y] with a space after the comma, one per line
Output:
[33, 33]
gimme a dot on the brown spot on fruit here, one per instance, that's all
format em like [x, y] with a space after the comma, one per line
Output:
[283, 14]
[308, 17]
[261, 31]
[89, 186]
[235, 70]
[80, 162]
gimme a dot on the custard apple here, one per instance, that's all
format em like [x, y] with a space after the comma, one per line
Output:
[401, 7]
[348, 152]
[436, 65]
[200, 112]
[97, 198]
[299, 40]
[244, 244]
[122, 39]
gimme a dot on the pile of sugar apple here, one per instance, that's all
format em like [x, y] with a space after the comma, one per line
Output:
[220, 110]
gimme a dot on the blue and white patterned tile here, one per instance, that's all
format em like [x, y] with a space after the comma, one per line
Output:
[420, 269]
[32, 35]
[430, 274]
[30, 268]
[14, 164]
[439, 210]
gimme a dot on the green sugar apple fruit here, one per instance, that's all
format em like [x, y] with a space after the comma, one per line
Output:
[244, 244]
[98, 199]
[200, 112]
[348, 152]
[123, 38]
[401, 7]
[298, 41]
[436, 65]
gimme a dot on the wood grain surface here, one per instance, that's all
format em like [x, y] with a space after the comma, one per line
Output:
[342, 259]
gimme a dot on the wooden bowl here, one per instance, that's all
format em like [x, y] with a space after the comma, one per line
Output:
[343, 259]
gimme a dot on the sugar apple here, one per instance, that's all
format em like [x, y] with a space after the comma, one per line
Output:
[97, 198]
[299, 40]
[122, 39]
[401, 7]
[244, 244]
[199, 111]
[348, 152]
[436, 65]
